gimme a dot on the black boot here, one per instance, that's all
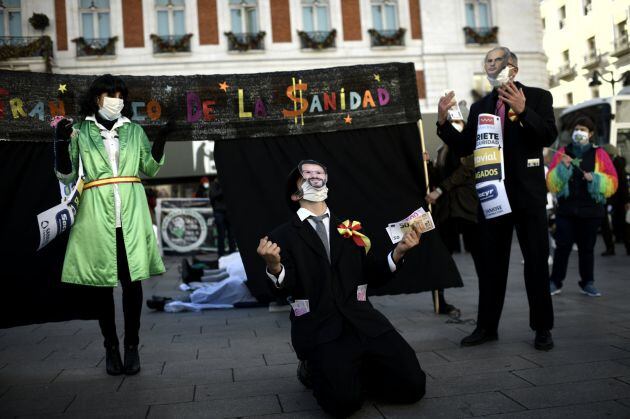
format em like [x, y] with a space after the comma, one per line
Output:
[113, 363]
[132, 360]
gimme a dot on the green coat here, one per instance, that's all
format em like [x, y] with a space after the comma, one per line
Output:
[91, 252]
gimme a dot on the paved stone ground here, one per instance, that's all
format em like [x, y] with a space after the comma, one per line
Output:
[239, 363]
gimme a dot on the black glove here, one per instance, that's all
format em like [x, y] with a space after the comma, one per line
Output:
[63, 130]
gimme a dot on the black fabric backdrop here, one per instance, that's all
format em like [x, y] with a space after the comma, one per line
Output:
[375, 177]
[31, 281]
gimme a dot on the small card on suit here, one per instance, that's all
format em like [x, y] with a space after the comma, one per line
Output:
[362, 292]
[300, 307]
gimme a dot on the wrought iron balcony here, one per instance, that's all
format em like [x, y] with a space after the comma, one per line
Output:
[622, 46]
[592, 60]
[387, 38]
[245, 41]
[553, 80]
[317, 40]
[171, 43]
[91, 47]
[481, 36]
[566, 71]
[15, 47]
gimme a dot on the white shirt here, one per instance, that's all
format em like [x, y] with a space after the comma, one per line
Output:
[304, 214]
[112, 146]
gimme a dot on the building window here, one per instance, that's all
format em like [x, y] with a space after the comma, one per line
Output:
[562, 15]
[595, 92]
[385, 15]
[170, 17]
[569, 98]
[588, 6]
[478, 14]
[315, 16]
[245, 34]
[94, 19]
[591, 47]
[11, 19]
[244, 16]
[621, 30]
[565, 57]
[544, 23]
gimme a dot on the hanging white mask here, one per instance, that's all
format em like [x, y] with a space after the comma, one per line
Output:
[312, 193]
[501, 79]
[111, 109]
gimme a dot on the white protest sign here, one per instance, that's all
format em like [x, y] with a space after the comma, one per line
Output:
[489, 167]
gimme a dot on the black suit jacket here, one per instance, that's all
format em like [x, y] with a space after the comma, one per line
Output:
[330, 287]
[523, 141]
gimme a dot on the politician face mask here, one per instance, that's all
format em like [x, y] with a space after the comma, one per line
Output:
[314, 187]
[112, 107]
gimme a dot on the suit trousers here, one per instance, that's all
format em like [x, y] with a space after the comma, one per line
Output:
[496, 242]
[352, 366]
[132, 301]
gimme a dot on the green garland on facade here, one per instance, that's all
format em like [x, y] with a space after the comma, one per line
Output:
[180, 45]
[387, 41]
[88, 49]
[251, 43]
[489, 38]
[42, 46]
[309, 42]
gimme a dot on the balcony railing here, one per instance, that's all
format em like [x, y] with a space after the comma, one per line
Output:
[566, 71]
[171, 43]
[245, 41]
[317, 40]
[12, 47]
[95, 47]
[481, 36]
[622, 46]
[387, 38]
[591, 60]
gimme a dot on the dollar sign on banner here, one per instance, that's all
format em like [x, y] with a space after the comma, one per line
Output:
[291, 94]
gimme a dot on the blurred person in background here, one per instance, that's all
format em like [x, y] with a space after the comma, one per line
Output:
[582, 176]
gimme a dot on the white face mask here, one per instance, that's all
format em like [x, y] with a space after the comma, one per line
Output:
[501, 79]
[313, 194]
[112, 107]
[580, 137]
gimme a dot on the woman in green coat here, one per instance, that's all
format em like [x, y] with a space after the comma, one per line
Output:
[112, 238]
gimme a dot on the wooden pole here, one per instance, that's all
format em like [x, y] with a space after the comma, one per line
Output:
[436, 300]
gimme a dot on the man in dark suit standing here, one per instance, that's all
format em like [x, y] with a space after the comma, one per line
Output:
[323, 267]
[528, 125]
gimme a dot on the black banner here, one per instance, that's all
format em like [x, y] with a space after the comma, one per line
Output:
[220, 107]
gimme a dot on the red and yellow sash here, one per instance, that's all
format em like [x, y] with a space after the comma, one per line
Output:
[350, 229]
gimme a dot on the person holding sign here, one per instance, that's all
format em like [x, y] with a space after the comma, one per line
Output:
[582, 176]
[112, 239]
[323, 266]
[506, 132]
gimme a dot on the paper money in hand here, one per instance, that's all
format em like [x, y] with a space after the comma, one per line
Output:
[396, 231]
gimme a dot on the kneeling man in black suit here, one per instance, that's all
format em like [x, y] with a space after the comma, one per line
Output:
[323, 266]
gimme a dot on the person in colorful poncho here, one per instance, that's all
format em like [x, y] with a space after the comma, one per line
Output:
[582, 176]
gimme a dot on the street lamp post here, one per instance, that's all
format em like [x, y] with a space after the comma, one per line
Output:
[597, 77]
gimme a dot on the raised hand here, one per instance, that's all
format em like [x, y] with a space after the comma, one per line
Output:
[270, 252]
[63, 129]
[445, 103]
[513, 96]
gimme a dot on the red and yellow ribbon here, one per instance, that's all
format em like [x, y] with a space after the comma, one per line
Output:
[350, 229]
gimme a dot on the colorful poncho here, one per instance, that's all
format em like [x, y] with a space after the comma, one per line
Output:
[604, 182]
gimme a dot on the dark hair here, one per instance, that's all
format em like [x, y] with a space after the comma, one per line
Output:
[104, 84]
[585, 121]
[294, 175]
